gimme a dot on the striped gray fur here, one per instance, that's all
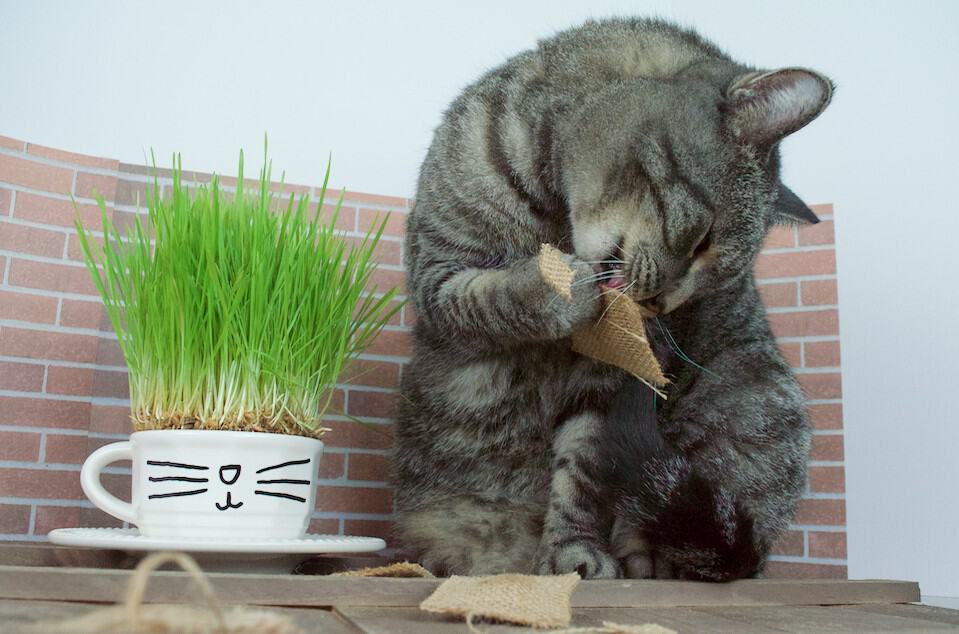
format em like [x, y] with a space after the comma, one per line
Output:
[624, 139]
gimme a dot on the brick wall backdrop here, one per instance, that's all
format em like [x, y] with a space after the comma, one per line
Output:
[63, 386]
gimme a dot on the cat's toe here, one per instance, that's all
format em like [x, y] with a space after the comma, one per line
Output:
[584, 558]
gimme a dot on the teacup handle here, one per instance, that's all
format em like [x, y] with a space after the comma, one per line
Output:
[90, 480]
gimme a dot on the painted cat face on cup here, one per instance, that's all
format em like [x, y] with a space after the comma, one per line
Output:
[193, 479]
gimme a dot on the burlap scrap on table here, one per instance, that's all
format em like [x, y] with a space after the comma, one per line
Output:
[541, 602]
[619, 336]
[400, 569]
[135, 618]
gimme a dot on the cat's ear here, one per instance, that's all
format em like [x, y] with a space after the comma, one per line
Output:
[789, 209]
[764, 107]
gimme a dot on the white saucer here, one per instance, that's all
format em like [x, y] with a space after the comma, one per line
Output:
[129, 539]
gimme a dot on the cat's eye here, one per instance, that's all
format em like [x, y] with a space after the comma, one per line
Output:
[703, 245]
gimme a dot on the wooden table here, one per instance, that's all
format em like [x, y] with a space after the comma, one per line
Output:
[40, 582]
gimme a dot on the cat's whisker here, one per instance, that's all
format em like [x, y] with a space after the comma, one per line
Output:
[598, 276]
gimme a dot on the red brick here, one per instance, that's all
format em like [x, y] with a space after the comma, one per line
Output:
[32, 240]
[109, 353]
[384, 280]
[38, 344]
[396, 319]
[790, 570]
[333, 499]
[15, 410]
[73, 381]
[118, 484]
[95, 518]
[831, 545]
[822, 353]
[777, 295]
[63, 449]
[792, 353]
[345, 221]
[90, 185]
[371, 528]
[332, 466]
[24, 307]
[369, 467]
[110, 384]
[826, 415]
[62, 278]
[51, 517]
[76, 313]
[827, 479]
[386, 251]
[821, 386]
[372, 404]
[324, 526]
[791, 543]
[821, 262]
[372, 218]
[819, 292]
[22, 377]
[20, 446]
[822, 210]
[358, 435]
[110, 419]
[40, 483]
[71, 157]
[827, 447]
[6, 197]
[18, 171]
[780, 237]
[409, 316]
[12, 144]
[823, 512]
[75, 251]
[391, 342]
[377, 199]
[805, 323]
[818, 234]
[372, 373]
[14, 519]
[57, 212]
[129, 192]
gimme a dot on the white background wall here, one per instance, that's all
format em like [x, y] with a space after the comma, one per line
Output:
[367, 81]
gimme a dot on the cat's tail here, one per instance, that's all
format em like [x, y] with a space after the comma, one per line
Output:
[691, 522]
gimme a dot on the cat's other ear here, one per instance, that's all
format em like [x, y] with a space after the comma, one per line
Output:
[789, 209]
[764, 107]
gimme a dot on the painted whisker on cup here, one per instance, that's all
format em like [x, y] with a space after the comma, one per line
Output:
[176, 494]
[177, 479]
[283, 481]
[286, 496]
[179, 465]
[284, 464]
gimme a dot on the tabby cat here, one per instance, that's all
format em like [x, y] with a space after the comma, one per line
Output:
[651, 159]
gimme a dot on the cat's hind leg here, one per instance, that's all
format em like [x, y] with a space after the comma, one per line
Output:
[470, 535]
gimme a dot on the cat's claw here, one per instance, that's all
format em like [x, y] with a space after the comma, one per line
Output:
[584, 558]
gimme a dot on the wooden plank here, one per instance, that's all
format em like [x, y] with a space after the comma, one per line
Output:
[412, 621]
[684, 620]
[18, 616]
[816, 619]
[24, 554]
[84, 584]
[912, 611]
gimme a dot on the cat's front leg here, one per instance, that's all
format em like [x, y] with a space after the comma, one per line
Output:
[500, 307]
[578, 519]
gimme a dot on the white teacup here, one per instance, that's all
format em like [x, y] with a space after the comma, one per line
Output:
[211, 484]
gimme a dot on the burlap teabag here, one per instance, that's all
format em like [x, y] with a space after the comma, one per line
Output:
[619, 336]
[541, 602]
[135, 618]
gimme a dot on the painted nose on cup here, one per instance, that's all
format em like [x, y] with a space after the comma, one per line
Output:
[229, 473]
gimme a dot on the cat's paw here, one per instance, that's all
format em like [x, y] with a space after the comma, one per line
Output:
[583, 557]
[582, 306]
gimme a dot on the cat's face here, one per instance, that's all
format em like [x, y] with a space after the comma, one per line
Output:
[678, 203]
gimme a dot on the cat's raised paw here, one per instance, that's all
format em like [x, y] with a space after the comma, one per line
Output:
[583, 557]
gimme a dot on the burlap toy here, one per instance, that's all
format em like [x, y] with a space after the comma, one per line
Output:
[619, 336]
